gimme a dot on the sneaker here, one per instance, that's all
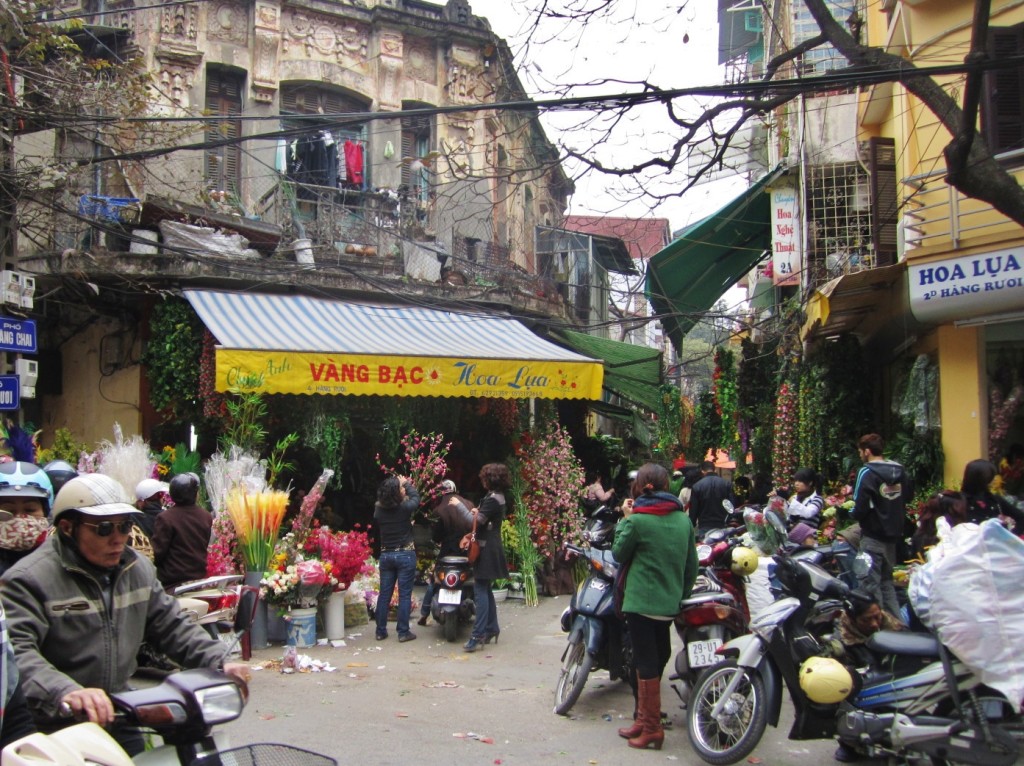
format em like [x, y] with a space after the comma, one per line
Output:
[846, 754]
[410, 636]
[381, 635]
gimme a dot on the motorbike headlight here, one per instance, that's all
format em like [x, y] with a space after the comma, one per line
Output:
[220, 704]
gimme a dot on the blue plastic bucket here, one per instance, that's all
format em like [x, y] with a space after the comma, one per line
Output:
[301, 627]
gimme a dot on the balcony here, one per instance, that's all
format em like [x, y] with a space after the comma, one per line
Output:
[936, 215]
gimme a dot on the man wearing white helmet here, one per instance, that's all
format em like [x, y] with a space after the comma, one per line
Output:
[80, 606]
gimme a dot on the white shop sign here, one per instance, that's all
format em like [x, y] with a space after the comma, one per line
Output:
[967, 287]
[786, 252]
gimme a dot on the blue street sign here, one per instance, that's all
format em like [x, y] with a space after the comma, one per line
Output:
[10, 392]
[17, 335]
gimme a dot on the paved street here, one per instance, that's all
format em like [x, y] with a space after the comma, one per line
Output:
[419, 702]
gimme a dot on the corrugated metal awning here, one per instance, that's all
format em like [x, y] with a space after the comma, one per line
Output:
[303, 345]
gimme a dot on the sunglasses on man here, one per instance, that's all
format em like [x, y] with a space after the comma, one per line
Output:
[106, 528]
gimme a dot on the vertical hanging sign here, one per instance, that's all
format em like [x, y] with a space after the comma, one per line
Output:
[787, 257]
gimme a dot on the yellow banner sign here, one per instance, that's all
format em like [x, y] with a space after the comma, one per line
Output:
[289, 372]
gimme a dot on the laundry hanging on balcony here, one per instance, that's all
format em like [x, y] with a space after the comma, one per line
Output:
[294, 344]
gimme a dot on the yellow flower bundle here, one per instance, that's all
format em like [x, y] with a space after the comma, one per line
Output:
[257, 519]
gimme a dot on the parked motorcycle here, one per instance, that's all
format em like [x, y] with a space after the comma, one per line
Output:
[599, 528]
[937, 712]
[453, 595]
[716, 610]
[597, 637]
[211, 602]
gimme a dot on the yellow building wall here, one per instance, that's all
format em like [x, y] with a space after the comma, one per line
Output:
[930, 33]
[92, 402]
[961, 398]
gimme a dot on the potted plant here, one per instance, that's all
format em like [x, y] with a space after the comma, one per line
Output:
[500, 589]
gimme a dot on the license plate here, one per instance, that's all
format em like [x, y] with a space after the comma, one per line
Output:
[446, 596]
[702, 653]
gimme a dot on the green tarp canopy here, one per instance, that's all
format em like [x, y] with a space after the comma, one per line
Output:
[687, 277]
[631, 372]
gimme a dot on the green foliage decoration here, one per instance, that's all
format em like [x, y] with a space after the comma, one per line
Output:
[171, 360]
[707, 428]
[670, 422]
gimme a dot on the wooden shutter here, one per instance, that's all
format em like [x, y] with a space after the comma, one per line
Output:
[883, 200]
[1002, 113]
[223, 98]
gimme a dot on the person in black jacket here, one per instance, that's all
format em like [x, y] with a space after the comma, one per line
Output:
[706, 498]
[453, 522]
[397, 501]
[880, 498]
[982, 503]
[491, 564]
[181, 535]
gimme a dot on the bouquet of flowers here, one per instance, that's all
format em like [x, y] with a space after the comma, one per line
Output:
[346, 555]
[766, 529]
[424, 460]
[257, 519]
[302, 583]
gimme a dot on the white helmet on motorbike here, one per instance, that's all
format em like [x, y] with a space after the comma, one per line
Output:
[744, 561]
[825, 680]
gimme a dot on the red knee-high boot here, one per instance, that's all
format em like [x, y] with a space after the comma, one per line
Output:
[649, 706]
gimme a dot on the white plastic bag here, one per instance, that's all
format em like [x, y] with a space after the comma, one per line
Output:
[969, 594]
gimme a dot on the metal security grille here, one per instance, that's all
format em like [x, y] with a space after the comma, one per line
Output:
[839, 221]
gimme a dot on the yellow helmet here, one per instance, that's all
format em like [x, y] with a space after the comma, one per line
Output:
[744, 560]
[825, 680]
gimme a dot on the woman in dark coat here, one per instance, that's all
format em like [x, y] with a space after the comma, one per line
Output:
[491, 564]
[981, 502]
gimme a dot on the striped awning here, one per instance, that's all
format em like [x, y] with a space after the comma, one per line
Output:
[296, 344]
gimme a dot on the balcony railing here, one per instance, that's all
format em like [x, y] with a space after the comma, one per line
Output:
[937, 213]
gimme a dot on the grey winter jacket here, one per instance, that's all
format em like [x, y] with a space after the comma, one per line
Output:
[65, 637]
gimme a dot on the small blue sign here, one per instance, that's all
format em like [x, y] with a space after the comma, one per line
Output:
[17, 335]
[10, 392]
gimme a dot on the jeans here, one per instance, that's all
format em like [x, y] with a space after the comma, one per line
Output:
[878, 580]
[400, 567]
[486, 623]
[428, 597]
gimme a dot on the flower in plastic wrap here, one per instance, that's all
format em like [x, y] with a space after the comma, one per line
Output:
[312, 579]
[766, 529]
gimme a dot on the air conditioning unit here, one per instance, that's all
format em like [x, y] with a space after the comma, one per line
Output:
[11, 286]
[27, 371]
[28, 392]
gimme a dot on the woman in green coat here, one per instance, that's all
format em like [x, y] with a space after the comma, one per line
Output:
[656, 542]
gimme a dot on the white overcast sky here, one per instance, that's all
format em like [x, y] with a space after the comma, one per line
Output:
[667, 48]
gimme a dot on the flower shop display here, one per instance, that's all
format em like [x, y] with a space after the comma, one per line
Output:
[785, 440]
[551, 481]
[223, 473]
[527, 557]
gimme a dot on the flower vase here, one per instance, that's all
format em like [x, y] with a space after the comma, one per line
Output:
[334, 616]
[258, 629]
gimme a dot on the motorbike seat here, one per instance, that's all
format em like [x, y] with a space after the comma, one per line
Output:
[453, 560]
[900, 642]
